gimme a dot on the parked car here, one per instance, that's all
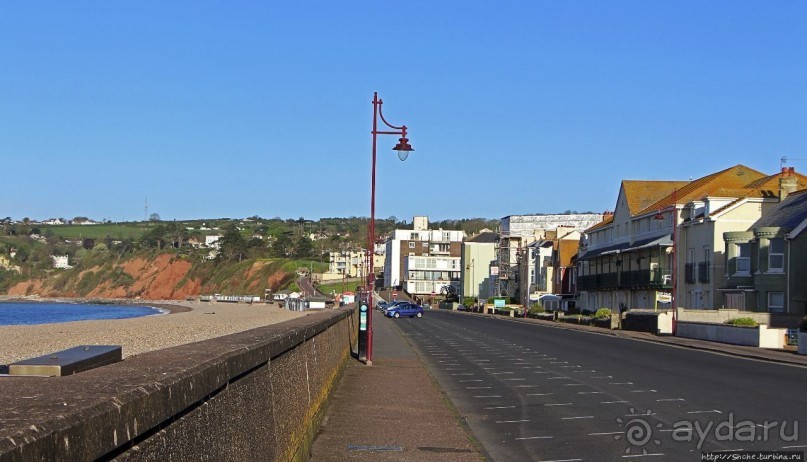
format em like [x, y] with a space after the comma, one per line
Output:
[404, 309]
[391, 305]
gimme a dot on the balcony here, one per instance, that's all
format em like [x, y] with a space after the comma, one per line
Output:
[656, 278]
[598, 281]
[652, 279]
[703, 272]
[690, 276]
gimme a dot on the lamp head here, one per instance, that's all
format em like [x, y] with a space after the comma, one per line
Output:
[403, 147]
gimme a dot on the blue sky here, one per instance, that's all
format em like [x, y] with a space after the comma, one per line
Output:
[222, 109]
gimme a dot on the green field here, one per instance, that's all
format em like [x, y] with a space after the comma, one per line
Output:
[122, 231]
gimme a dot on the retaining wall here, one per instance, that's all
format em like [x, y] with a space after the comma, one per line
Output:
[761, 336]
[255, 395]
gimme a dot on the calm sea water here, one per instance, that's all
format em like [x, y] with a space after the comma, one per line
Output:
[46, 313]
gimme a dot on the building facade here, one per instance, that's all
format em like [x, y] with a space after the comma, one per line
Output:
[423, 261]
[517, 232]
[478, 256]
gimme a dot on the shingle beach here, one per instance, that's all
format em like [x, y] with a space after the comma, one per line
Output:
[187, 322]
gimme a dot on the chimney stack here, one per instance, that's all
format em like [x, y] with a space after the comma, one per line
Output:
[787, 182]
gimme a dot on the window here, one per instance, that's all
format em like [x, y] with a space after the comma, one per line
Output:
[425, 244]
[413, 236]
[776, 255]
[411, 245]
[776, 302]
[743, 258]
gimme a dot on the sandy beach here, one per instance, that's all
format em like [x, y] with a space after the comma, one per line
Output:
[187, 322]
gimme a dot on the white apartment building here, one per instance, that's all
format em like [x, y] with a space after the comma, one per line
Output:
[438, 262]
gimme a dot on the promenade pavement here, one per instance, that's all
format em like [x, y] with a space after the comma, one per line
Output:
[394, 411]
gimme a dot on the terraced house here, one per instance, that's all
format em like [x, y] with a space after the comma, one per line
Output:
[666, 237]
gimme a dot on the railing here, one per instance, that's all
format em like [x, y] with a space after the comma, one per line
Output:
[689, 273]
[655, 278]
[703, 272]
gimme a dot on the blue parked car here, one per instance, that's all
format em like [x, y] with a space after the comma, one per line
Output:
[405, 309]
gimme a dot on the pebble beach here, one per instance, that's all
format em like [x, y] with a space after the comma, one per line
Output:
[185, 322]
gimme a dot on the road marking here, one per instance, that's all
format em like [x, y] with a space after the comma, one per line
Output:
[488, 396]
[612, 402]
[476, 388]
[539, 394]
[587, 372]
[525, 386]
[603, 377]
[713, 411]
[543, 372]
[643, 391]
[795, 447]
[558, 404]
[641, 415]
[569, 367]
[573, 384]
[514, 379]
[606, 433]
[500, 373]
[511, 421]
[559, 362]
[534, 438]
[671, 399]
[562, 460]
[621, 383]
[558, 377]
[643, 455]
[464, 373]
[470, 380]
[580, 417]
[589, 392]
[482, 360]
[498, 407]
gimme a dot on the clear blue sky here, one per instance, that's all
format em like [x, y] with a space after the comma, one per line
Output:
[231, 109]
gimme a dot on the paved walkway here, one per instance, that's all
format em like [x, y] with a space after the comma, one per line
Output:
[392, 410]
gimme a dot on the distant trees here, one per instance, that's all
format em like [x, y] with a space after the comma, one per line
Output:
[154, 217]
[232, 245]
[303, 247]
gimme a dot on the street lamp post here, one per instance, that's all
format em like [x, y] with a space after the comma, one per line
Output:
[674, 256]
[403, 149]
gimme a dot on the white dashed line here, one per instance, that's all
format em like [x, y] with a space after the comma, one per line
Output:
[488, 396]
[525, 386]
[621, 383]
[511, 421]
[612, 402]
[589, 392]
[498, 407]
[539, 394]
[465, 373]
[579, 417]
[535, 438]
[558, 404]
[606, 433]
[573, 384]
[713, 411]
[643, 391]
[476, 388]
[470, 380]
[670, 399]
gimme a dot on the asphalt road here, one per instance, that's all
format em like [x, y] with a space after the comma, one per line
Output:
[540, 393]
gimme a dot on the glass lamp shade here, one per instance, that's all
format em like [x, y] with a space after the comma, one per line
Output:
[403, 148]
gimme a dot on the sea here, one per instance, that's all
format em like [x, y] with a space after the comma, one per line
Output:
[12, 314]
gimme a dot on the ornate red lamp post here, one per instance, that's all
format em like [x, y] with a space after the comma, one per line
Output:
[403, 149]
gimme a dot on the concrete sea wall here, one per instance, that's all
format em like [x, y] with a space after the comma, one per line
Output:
[255, 395]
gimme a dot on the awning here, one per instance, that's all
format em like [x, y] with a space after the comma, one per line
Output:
[658, 241]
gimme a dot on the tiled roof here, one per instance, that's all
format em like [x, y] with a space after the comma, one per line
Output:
[486, 238]
[788, 214]
[736, 178]
[641, 194]
[606, 220]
